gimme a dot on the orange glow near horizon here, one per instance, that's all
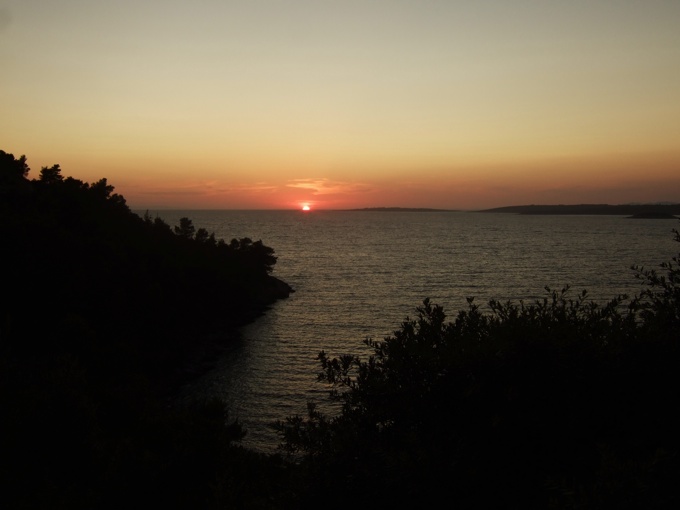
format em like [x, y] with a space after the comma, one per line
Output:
[271, 105]
[614, 179]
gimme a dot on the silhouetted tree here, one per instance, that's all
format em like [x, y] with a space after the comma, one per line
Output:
[51, 175]
[560, 402]
[14, 186]
[185, 229]
[659, 303]
[160, 224]
[202, 235]
[12, 169]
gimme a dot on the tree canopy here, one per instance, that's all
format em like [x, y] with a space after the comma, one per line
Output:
[104, 315]
[559, 403]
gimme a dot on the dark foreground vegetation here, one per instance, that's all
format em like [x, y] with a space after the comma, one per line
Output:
[560, 403]
[104, 314]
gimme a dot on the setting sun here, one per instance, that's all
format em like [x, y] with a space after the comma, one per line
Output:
[305, 207]
[349, 105]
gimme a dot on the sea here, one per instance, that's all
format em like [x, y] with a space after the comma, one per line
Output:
[360, 274]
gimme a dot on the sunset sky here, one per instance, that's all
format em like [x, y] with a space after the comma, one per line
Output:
[220, 104]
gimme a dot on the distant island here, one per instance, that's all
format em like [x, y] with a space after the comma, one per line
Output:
[636, 211]
[654, 211]
[400, 209]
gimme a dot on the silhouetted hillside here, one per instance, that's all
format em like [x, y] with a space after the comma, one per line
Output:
[79, 254]
[103, 314]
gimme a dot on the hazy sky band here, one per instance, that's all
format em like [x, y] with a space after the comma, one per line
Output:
[271, 103]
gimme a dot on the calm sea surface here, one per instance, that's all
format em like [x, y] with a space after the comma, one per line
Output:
[359, 274]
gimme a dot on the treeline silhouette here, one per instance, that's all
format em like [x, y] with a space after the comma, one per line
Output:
[104, 314]
[558, 403]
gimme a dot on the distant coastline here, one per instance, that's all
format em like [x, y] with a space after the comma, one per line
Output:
[400, 209]
[636, 211]
[650, 211]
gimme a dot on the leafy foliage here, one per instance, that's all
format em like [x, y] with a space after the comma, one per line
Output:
[557, 403]
[658, 303]
[104, 314]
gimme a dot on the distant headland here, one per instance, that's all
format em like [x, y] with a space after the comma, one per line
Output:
[400, 209]
[650, 211]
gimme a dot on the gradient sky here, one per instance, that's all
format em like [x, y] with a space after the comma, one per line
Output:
[272, 103]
